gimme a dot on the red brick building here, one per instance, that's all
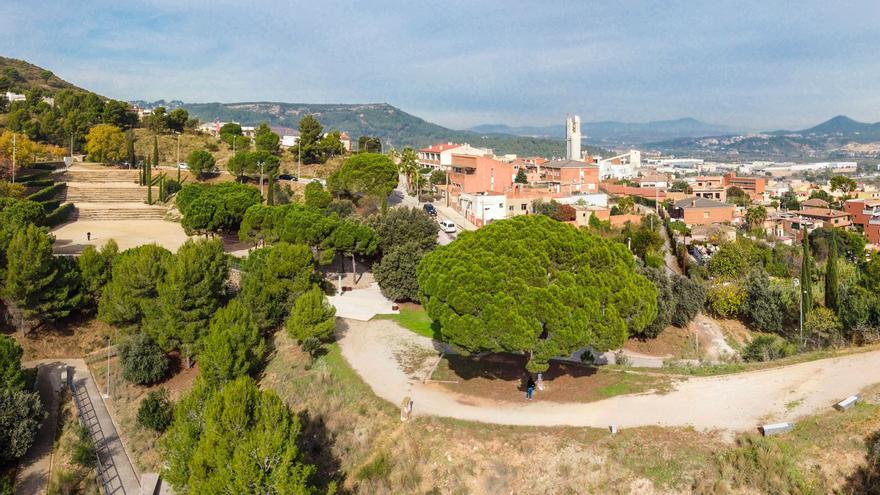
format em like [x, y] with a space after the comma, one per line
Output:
[473, 174]
[753, 186]
[865, 213]
[702, 211]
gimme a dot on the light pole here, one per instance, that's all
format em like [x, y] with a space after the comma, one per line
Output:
[797, 282]
[107, 395]
[178, 150]
[299, 157]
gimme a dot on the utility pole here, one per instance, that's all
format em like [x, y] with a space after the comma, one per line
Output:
[299, 167]
[178, 150]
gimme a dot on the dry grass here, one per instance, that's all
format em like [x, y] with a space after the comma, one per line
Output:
[66, 475]
[140, 443]
[68, 338]
[675, 342]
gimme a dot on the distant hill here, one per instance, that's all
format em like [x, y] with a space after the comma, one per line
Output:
[391, 124]
[20, 76]
[838, 138]
[619, 133]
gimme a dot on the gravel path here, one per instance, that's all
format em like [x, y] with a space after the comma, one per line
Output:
[736, 402]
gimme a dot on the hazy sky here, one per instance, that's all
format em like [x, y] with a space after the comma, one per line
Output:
[760, 64]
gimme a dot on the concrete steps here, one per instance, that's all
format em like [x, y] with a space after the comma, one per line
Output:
[91, 193]
[118, 211]
[100, 176]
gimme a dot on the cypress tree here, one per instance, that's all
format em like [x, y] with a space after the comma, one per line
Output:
[806, 275]
[832, 294]
[270, 196]
[155, 151]
[148, 177]
[130, 142]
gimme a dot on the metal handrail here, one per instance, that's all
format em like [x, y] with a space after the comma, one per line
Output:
[103, 475]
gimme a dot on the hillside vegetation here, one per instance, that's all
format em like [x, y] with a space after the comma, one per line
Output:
[20, 76]
[391, 124]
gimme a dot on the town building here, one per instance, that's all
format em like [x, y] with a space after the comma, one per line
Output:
[701, 211]
[439, 156]
[345, 140]
[476, 174]
[289, 140]
[709, 187]
[866, 214]
[753, 186]
[828, 217]
[570, 176]
[12, 97]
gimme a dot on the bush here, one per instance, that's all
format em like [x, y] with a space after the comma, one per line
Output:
[83, 452]
[59, 215]
[312, 317]
[48, 193]
[143, 362]
[396, 273]
[726, 299]
[155, 411]
[768, 348]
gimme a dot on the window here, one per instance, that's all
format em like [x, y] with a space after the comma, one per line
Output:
[523, 207]
[511, 208]
[705, 214]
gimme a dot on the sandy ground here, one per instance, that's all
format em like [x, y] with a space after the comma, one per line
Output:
[70, 238]
[361, 304]
[383, 354]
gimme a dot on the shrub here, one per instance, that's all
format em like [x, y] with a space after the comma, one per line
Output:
[59, 215]
[396, 273]
[83, 451]
[726, 299]
[48, 193]
[768, 348]
[312, 316]
[143, 362]
[155, 411]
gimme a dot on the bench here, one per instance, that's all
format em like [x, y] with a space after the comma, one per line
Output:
[847, 403]
[776, 429]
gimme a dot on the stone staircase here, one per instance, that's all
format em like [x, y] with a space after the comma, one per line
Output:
[100, 193]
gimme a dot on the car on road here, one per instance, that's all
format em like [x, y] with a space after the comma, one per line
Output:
[183, 166]
[430, 210]
[287, 177]
[447, 226]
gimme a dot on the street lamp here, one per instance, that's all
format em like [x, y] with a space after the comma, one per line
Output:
[797, 282]
[107, 394]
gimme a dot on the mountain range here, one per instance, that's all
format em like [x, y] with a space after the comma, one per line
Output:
[837, 138]
[618, 133]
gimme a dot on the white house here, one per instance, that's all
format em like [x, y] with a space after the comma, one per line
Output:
[14, 96]
[289, 141]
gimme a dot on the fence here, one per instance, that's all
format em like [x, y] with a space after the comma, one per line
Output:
[107, 475]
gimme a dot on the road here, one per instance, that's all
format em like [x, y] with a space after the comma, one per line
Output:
[400, 197]
[736, 402]
[34, 477]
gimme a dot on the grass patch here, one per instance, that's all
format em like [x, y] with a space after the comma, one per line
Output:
[378, 468]
[416, 320]
[614, 389]
[793, 404]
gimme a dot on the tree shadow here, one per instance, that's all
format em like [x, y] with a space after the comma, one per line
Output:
[866, 479]
[511, 367]
[316, 445]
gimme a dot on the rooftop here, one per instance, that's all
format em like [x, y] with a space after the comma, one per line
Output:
[437, 148]
[567, 164]
[695, 202]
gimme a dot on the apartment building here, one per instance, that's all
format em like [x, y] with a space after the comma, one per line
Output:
[439, 156]
[753, 186]
[570, 176]
[702, 211]
[477, 174]
[866, 214]
[709, 187]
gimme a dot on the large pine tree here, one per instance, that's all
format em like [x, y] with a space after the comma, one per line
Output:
[38, 286]
[189, 295]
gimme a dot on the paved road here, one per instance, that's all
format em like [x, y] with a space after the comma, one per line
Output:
[33, 473]
[736, 402]
[49, 378]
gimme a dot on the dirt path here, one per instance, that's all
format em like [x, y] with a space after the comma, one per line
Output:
[393, 361]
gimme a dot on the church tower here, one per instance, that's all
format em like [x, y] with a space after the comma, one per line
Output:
[573, 138]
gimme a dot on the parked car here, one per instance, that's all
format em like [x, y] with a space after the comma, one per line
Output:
[183, 166]
[447, 226]
[287, 177]
[430, 210]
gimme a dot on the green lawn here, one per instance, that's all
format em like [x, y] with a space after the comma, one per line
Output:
[415, 320]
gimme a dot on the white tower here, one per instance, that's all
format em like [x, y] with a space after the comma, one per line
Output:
[573, 138]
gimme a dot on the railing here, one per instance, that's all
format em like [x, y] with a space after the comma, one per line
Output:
[107, 475]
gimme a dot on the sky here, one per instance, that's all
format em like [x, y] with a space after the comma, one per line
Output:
[754, 65]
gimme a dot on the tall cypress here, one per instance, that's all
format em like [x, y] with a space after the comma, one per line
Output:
[832, 292]
[155, 151]
[148, 176]
[130, 150]
[806, 275]
[270, 196]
